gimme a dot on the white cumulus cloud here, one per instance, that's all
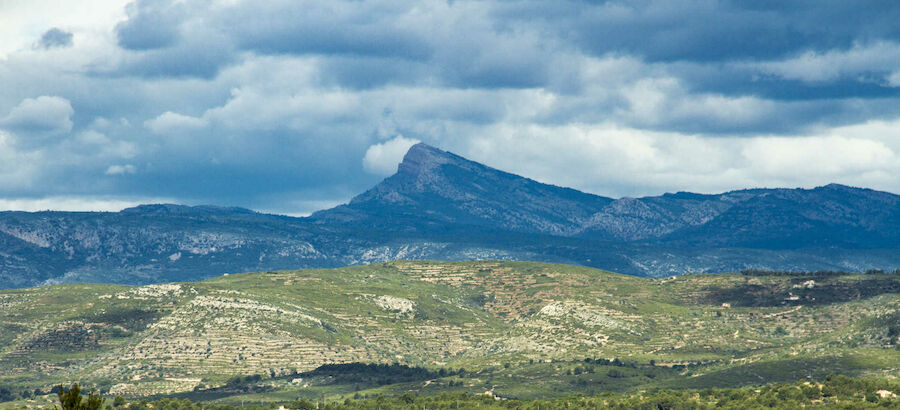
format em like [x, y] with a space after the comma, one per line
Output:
[39, 118]
[169, 122]
[120, 169]
[383, 158]
[894, 79]
[822, 159]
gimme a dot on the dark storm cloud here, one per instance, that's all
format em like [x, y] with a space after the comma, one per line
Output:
[199, 59]
[324, 27]
[516, 44]
[710, 30]
[712, 34]
[735, 81]
[366, 72]
[55, 38]
[151, 24]
[458, 52]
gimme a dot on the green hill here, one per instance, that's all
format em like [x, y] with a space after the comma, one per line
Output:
[517, 329]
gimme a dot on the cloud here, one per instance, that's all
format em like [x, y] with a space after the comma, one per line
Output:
[264, 104]
[833, 156]
[55, 38]
[35, 120]
[18, 170]
[894, 79]
[170, 122]
[512, 45]
[383, 158]
[120, 169]
[870, 61]
[329, 27]
[151, 24]
[23, 20]
[201, 58]
[615, 161]
[698, 30]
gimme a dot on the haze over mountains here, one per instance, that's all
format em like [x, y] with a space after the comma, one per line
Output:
[441, 206]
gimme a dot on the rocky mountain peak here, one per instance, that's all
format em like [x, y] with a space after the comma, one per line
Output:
[423, 158]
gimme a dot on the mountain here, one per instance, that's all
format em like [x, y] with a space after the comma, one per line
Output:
[833, 216]
[436, 188]
[442, 206]
[149, 243]
[520, 329]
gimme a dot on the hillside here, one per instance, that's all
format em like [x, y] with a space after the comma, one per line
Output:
[442, 206]
[520, 329]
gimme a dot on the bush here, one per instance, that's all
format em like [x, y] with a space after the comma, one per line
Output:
[302, 404]
[811, 392]
[871, 397]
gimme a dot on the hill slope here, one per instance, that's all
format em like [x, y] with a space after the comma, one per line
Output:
[180, 337]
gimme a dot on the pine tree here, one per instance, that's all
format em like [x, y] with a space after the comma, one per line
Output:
[71, 399]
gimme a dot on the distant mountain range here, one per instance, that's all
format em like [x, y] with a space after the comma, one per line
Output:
[442, 206]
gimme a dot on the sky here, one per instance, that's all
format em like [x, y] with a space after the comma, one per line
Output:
[292, 106]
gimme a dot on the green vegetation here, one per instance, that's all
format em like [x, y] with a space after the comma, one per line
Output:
[71, 399]
[834, 392]
[518, 330]
[819, 273]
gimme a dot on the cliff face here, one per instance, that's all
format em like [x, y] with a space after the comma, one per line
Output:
[442, 206]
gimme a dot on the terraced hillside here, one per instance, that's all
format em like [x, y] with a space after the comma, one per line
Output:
[511, 321]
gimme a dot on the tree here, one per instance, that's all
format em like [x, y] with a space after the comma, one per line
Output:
[71, 399]
[407, 398]
[303, 404]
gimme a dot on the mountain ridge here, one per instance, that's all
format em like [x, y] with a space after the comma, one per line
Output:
[447, 188]
[442, 206]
